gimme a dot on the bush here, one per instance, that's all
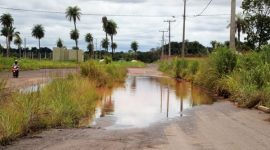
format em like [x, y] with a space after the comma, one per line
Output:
[108, 60]
[223, 60]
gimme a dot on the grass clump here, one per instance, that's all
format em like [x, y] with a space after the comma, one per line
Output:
[180, 68]
[107, 74]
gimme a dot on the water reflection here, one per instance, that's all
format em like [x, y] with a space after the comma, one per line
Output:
[141, 101]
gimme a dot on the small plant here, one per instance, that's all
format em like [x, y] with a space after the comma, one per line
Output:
[108, 60]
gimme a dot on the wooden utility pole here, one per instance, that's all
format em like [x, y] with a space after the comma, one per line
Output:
[184, 30]
[170, 21]
[232, 24]
[163, 43]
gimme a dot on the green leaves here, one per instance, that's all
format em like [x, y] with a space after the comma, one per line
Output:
[38, 31]
[257, 17]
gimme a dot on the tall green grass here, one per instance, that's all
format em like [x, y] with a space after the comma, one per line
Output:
[32, 64]
[244, 78]
[107, 74]
[61, 103]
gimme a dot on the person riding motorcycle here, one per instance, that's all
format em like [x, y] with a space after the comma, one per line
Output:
[15, 69]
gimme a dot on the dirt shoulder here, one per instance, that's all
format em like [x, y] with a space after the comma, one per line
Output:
[220, 126]
[29, 78]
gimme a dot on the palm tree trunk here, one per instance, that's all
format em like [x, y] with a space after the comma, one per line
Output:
[107, 40]
[76, 42]
[112, 45]
[39, 54]
[20, 52]
[7, 51]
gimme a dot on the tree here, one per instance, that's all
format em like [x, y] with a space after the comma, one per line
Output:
[59, 43]
[38, 32]
[104, 26]
[257, 18]
[90, 46]
[111, 30]
[105, 43]
[114, 46]
[134, 46]
[74, 14]
[240, 26]
[74, 35]
[18, 43]
[7, 21]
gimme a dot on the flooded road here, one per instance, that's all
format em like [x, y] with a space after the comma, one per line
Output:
[137, 113]
[142, 101]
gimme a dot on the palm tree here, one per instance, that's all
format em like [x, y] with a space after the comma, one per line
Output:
[111, 29]
[74, 14]
[240, 26]
[74, 35]
[90, 46]
[18, 42]
[7, 21]
[105, 23]
[105, 43]
[59, 43]
[38, 32]
[114, 45]
[134, 46]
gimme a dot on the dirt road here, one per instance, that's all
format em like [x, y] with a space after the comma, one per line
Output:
[221, 126]
[29, 78]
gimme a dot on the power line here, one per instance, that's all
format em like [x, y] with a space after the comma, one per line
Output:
[112, 15]
[204, 8]
[85, 14]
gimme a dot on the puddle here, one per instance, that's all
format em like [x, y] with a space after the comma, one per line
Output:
[146, 100]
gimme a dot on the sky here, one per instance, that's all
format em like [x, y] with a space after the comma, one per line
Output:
[137, 20]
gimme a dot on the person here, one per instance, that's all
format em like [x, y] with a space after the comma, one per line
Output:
[15, 69]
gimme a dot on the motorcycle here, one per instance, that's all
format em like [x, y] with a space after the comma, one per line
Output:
[15, 71]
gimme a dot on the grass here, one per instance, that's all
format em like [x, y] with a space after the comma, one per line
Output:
[243, 78]
[61, 103]
[107, 74]
[33, 64]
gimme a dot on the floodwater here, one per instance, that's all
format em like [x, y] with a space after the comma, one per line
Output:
[142, 101]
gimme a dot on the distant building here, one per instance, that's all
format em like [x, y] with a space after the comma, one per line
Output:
[61, 54]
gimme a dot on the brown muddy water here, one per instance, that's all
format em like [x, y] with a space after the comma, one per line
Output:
[143, 101]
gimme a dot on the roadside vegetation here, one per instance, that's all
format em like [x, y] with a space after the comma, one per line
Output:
[245, 78]
[61, 103]
[32, 64]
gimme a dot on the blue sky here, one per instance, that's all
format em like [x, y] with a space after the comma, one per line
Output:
[142, 29]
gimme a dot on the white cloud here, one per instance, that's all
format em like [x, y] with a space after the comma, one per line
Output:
[143, 29]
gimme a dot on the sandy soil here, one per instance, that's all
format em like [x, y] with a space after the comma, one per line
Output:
[220, 126]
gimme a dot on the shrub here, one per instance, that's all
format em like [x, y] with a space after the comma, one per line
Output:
[223, 60]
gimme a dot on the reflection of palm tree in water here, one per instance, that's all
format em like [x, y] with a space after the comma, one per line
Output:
[133, 83]
[108, 106]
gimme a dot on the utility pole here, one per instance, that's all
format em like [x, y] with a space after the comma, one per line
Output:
[163, 42]
[170, 21]
[184, 30]
[232, 29]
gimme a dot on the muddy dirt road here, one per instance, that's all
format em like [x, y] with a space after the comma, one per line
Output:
[29, 78]
[221, 126]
